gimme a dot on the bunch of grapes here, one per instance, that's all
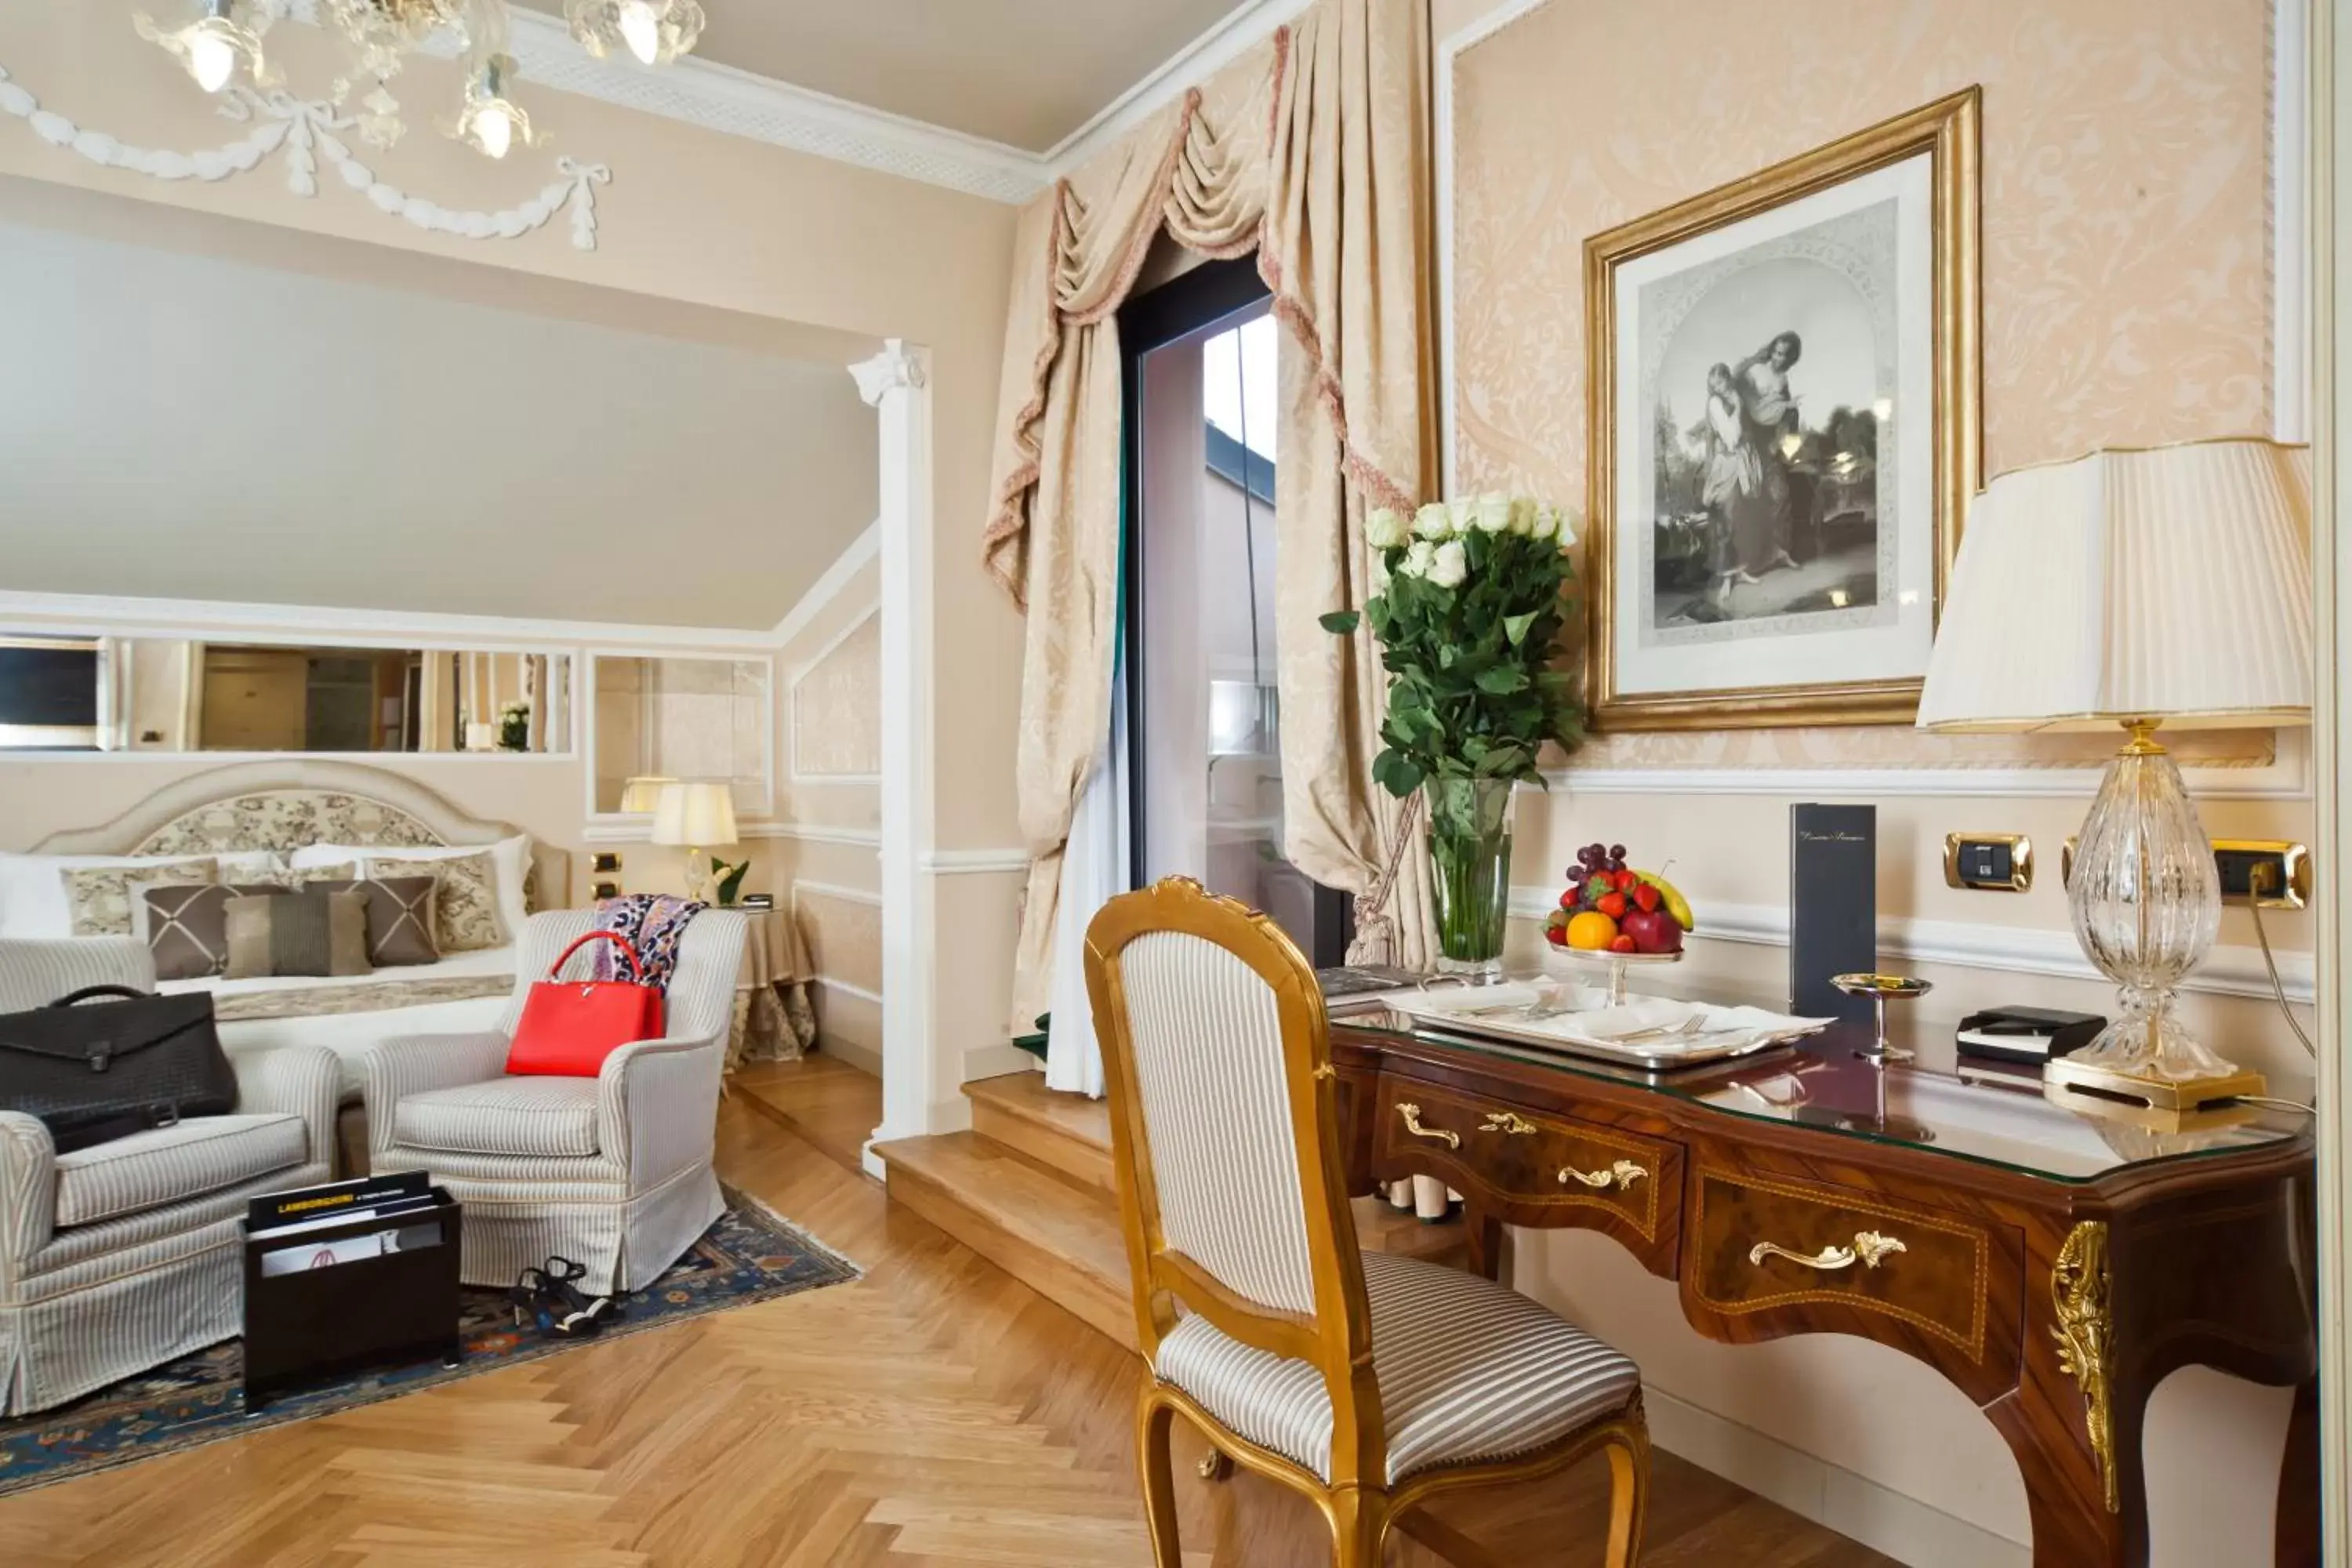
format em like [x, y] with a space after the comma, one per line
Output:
[1596, 858]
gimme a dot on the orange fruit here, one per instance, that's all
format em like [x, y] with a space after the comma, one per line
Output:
[1591, 931]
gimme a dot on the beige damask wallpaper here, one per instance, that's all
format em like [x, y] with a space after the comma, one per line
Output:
[837, 709]
[2126, 268]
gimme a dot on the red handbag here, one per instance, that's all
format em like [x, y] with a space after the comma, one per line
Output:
[569, 1027]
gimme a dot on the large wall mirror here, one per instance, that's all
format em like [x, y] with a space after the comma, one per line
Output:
[209, 422]
[178, 694]
[660, 717]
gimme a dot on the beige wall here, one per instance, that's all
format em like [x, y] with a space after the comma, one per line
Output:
[691, 214]
[2127, 300]
[831, 680]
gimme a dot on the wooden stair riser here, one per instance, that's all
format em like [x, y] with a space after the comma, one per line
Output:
[1047, 1144]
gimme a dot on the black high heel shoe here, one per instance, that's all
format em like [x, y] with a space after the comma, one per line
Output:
[577, 1312]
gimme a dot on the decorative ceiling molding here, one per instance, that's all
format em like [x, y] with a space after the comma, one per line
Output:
[1242, 29]
[700, 92]
[306, 132]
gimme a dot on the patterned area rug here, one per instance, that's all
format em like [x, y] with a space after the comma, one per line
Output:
[749, 1256]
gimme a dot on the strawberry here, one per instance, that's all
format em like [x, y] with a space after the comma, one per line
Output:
[1556, 935]
[1610, 904]
[1623, 944]
[1645, 896]
[1568, 901]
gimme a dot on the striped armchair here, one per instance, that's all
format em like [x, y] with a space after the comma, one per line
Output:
[1367, 1382]
[614, 1172]
[120, 1256]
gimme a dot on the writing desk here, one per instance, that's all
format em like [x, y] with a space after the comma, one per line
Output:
[2052, 1266]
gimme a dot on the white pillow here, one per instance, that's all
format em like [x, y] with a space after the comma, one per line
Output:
[509, 860]
[33, 903]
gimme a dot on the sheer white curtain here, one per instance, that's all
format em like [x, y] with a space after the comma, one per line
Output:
[1095, 870]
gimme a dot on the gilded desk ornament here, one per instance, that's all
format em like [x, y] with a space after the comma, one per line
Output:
[2078, 1288]
[1509, 1121]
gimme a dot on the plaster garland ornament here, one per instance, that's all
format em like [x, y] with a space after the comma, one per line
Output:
[306, 130]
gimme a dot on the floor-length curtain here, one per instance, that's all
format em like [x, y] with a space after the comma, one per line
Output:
[1312, 152]
[1346, 253]
[1094, 863]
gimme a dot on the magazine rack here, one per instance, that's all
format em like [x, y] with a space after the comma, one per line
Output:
[366, 1312]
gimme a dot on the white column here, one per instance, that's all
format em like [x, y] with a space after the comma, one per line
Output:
[896, 383]
[2325, 191]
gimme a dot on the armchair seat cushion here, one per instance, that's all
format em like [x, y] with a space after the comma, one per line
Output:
[1469, 1370]
[529, 1116]
[171, 1165]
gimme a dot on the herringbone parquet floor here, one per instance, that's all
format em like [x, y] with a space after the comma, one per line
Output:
[937, 1413]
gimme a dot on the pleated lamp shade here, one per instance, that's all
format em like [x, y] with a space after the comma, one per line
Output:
[2171, 584]
[643, 793]
[696, 813]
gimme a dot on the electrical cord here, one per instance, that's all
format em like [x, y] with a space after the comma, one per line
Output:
[2258, 883]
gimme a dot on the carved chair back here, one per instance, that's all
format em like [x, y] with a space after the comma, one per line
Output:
[1216, 1053]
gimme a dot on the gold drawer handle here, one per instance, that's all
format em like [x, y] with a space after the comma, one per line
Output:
[1411, 1114]
[1869, 1249]
[1509, 1121]
[1621, 1175]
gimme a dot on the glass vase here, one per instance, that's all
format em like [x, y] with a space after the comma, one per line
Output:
[1470, 859]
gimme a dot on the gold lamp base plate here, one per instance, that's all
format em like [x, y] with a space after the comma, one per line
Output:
[2084, 1086]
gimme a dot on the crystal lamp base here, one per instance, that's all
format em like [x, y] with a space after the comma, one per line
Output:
[2147, 904]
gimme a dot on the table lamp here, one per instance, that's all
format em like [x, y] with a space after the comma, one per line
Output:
[697, 815]
[640, 795]
[2136, 588]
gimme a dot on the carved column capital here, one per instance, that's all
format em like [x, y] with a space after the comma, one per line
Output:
[895, 368]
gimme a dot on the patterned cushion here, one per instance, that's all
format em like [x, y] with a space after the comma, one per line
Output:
[188, 928]
[100, 896]
[399, 918]
[548, 1116]
[1469, 1370]
[311, 931]
[169, 1164]
[465, 906]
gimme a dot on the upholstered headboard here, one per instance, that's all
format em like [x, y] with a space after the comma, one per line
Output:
[286, 805]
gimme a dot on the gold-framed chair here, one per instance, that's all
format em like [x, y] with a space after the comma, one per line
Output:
[1369, 1383]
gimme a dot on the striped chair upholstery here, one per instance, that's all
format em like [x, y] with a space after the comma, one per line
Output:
[1366, 1382]
[1208, 1067]
[120, 1256]
[1467, 1371]
[614, 1172]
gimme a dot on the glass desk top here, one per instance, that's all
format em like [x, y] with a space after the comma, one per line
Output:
[1823, 1081]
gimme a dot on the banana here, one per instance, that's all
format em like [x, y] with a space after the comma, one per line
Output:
[1676, 905]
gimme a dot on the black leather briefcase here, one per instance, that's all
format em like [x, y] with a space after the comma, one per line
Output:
[109, 1060]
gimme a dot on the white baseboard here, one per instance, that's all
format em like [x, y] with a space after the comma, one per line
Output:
[850, 1054]
[1881, 1518]
[997, 1060]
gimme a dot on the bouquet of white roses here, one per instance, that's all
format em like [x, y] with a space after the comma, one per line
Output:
[1468, 606]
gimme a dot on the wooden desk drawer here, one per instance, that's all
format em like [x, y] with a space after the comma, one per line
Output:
[1529, 1169]
[1763, 1247]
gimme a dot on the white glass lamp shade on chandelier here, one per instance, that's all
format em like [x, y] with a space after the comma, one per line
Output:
[217, 41]
[2139, 589]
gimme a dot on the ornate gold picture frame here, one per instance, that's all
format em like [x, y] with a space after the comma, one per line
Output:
[1785, 431]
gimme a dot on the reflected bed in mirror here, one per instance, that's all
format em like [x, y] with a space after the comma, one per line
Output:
[172, 695]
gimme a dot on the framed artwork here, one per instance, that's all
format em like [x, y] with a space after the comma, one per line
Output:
[1784, 433]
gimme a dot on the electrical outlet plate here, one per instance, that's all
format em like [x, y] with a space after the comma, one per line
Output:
[1989, 862]
[2284, 865]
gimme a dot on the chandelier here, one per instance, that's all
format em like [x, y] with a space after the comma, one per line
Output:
[220, 41]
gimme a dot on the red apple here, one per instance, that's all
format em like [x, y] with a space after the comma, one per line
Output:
[1652, 930]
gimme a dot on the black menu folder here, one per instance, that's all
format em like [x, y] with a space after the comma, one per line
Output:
[1833, 908]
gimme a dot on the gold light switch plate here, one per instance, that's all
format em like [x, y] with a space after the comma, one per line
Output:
[2285, 866]
[1989, 862]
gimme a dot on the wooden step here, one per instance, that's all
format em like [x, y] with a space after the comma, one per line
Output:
[1057, 1234]
[1068, 1132]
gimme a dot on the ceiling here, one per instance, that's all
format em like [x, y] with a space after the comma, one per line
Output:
[196, 409]
[1023, 72]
